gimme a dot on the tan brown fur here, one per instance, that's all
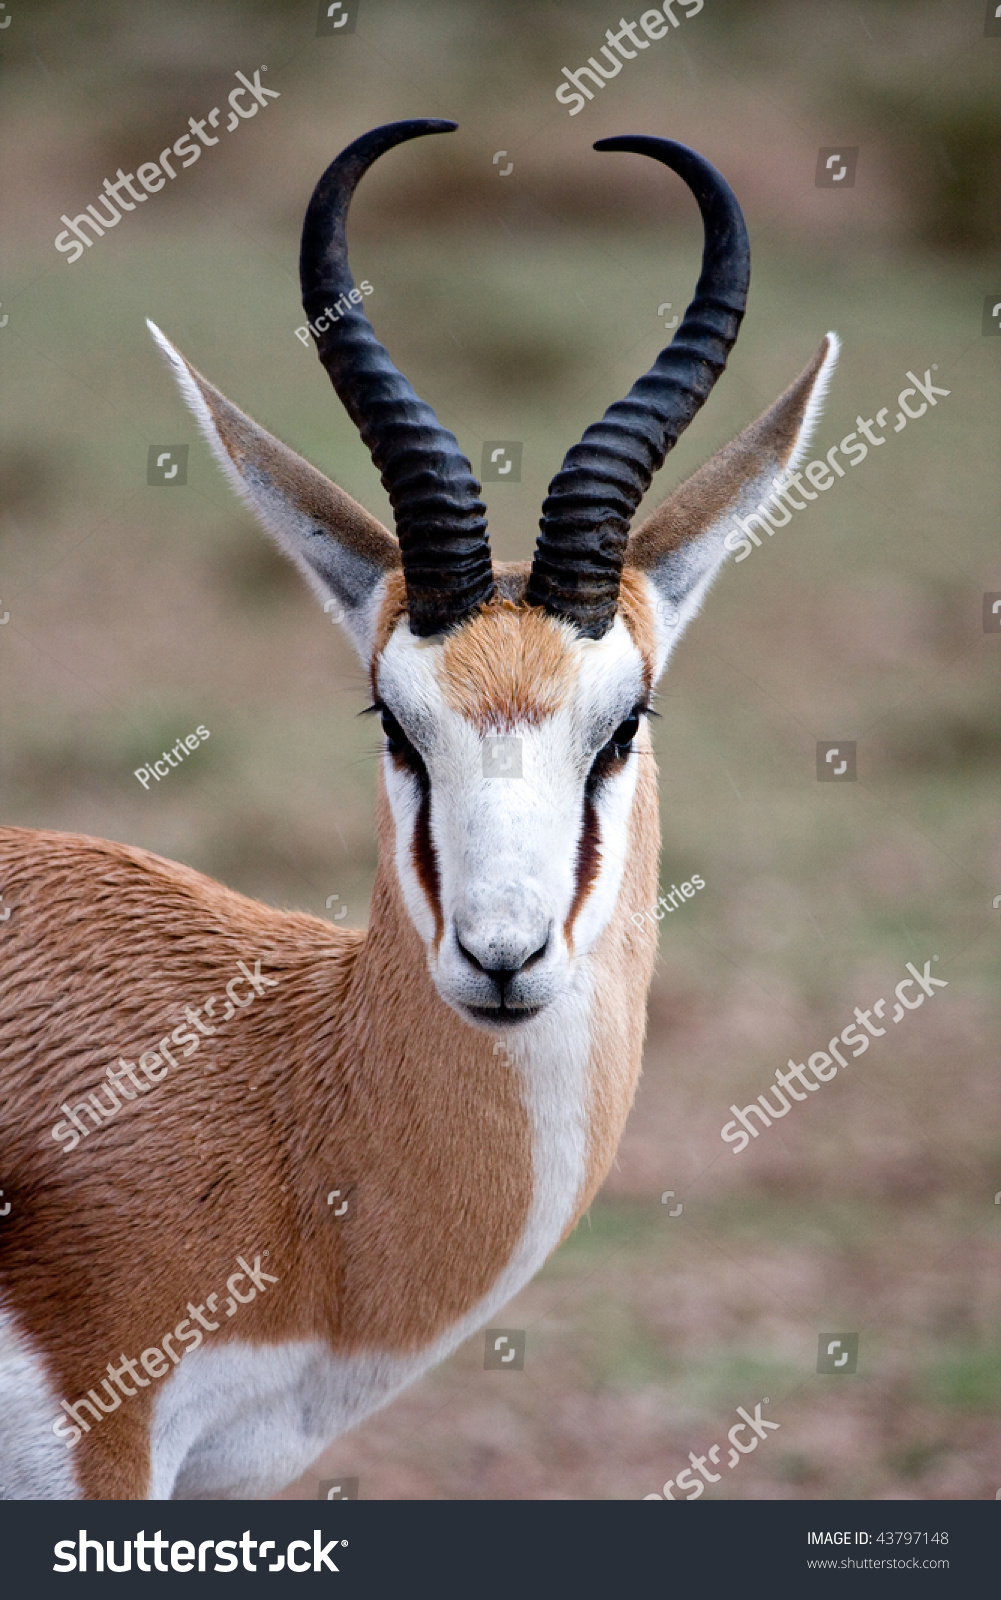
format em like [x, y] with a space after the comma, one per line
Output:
[312, 1085]
[351, 1071]
[510, 664]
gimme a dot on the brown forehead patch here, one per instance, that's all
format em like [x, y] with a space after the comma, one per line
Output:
[512, 663]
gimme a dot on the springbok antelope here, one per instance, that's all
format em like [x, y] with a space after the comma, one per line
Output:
[501, 910]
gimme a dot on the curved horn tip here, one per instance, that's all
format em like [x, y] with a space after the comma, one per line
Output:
[389, 134]
[423, 124]
[638, 142]
[617, 457]
[440, 519]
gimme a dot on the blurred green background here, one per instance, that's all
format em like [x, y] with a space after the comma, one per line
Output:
[521, 306]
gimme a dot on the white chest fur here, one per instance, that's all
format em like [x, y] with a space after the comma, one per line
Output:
[243, 1420]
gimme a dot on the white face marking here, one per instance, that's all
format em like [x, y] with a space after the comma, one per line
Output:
[506, 849]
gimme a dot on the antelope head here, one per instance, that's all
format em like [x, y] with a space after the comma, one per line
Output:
[512, 880]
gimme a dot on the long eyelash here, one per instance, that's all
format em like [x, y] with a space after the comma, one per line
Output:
[609, 756]
[407, 755]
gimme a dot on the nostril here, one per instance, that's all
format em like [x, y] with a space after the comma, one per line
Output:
[502, 972]
[536, 955]
[469, 955]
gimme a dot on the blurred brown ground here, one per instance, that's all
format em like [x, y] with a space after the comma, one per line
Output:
[520, 307]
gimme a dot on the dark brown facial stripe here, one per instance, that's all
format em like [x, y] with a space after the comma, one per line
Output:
[588, 862]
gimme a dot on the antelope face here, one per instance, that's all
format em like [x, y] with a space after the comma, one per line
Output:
[513, 699]
[511, 754]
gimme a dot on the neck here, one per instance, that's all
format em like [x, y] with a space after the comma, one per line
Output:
[473, 1154]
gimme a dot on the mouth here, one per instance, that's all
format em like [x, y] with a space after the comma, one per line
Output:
[502, 1016]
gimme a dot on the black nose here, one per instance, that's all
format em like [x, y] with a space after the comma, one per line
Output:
[501, 974]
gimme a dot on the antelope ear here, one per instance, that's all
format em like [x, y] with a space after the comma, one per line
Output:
[343, 551]
[682, 545]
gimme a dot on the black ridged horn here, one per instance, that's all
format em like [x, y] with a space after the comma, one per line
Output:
[440, 519]
[591, 501]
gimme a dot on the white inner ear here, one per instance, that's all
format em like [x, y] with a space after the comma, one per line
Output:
[341, 579]
[815, 404]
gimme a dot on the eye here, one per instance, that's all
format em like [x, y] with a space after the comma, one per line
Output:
[624, 735]
[396, 739]
[403, 752]
[612, 756]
